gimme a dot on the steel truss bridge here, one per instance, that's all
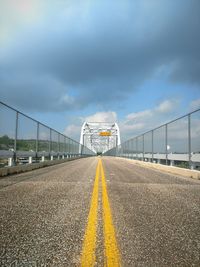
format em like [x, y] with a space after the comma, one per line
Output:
[100, 136]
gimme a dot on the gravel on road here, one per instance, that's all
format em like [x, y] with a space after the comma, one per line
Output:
[156, 215]
[43, 215]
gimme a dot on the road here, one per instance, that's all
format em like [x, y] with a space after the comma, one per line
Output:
[108, 210]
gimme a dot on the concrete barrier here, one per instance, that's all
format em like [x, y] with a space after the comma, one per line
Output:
[169, 169]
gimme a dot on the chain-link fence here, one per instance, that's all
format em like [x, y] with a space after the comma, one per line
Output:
[25, 140]
[174, 143]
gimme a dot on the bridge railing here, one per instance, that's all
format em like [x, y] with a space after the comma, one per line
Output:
[174, 143]
[25, 140]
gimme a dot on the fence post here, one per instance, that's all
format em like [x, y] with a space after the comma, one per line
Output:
[131, 148]
[73, 148]
[189, 141]
[58, 145]
[166, 145]
[65, 146]
[15, 142]
[69, 147]
[143, 147]
[37, 140]
[50, 139]
[137, 148]
[152, 146]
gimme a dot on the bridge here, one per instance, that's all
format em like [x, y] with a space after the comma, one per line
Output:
[100, 137]
[100, 201]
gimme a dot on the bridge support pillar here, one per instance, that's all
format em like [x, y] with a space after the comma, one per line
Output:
[158, 161]
[43, 158]
[63, 156]
[51, 157]
[30, 160]
[171, 162]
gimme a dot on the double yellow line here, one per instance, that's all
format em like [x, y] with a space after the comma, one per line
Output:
[111, 252]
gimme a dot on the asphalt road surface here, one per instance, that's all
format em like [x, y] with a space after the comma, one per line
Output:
[93, 212]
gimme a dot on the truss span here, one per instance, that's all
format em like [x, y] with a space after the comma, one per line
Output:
[100, 136]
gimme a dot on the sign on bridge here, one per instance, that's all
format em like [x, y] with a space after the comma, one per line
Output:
[105, 133]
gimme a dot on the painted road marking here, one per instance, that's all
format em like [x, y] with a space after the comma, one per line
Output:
[89, 244]
[111, 251]
[112, 255]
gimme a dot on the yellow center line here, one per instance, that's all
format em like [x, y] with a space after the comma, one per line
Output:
[112, 255]
[89, 244]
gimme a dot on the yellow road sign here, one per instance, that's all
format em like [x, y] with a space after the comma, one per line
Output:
[105, 133]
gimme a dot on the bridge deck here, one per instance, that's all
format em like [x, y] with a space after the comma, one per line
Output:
[44, 215]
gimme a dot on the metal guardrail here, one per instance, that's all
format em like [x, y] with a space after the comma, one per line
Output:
[174, 143]
[24, 139]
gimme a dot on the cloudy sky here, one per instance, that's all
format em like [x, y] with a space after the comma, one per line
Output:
[136, 62]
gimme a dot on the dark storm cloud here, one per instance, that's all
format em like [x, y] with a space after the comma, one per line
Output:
[102, 53]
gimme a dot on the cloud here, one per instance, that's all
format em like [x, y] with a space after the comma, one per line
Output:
[52, 96]
[195, 104]
[139, 115]
[109, 116]
[73, 131]
[99, 58]
[167, 106]
[140, 122]
[20, 15]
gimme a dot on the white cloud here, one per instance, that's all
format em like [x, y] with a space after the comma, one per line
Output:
[139, 115]
[131, 128]
[67, 100]
[167, 106]
[109, 116]
[73, 131]
[140, 122]
[195, 104]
